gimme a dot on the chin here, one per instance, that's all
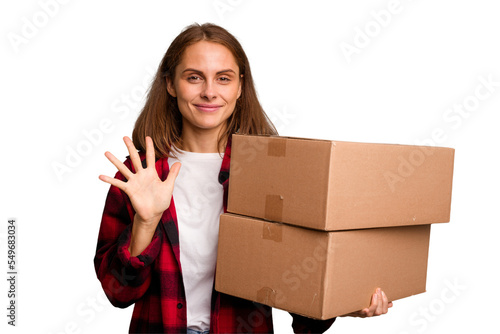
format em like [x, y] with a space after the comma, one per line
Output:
[210, 126]
[209, 123]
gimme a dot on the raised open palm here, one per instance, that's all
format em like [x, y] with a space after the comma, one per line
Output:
[149, 195]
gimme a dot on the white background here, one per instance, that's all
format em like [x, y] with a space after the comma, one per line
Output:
[81, 62]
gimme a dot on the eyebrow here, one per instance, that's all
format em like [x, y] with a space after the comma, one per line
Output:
[198, 71]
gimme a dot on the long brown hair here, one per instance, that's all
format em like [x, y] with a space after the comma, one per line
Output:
[161, 119]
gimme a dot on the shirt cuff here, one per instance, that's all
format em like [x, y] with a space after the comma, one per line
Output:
[135, 269]
[146, 257]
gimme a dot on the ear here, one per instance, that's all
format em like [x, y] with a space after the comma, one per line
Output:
[171, 88]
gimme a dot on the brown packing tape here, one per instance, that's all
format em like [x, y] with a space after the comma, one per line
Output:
[274, 207]
[272, 231]
[276, 147]
[266, 296]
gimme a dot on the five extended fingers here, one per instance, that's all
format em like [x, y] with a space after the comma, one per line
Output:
[136, 162]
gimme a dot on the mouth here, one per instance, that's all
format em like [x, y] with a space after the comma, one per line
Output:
[209, 108]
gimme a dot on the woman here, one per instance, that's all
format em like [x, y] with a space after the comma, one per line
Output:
[159, 253]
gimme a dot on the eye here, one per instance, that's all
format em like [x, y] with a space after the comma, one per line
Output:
[193, 78]
[224, 79]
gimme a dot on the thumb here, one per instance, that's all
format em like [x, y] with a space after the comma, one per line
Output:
[172, 174]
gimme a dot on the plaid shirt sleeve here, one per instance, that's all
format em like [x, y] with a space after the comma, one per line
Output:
[124, 278]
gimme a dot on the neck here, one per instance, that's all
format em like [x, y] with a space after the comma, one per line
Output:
[201, 141]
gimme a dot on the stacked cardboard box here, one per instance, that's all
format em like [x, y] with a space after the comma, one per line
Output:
[316, 226]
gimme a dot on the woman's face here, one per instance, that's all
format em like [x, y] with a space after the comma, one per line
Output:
[206, 85]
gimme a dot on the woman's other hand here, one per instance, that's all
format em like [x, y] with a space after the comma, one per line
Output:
[379, 305]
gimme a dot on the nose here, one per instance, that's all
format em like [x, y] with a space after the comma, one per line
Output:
[208, 92]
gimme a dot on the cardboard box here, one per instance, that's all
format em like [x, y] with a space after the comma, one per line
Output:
[334, 185]
[315, 273]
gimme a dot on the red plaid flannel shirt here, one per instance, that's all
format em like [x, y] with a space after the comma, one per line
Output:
[153, 279]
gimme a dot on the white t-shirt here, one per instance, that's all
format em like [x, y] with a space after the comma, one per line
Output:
[198, 204]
